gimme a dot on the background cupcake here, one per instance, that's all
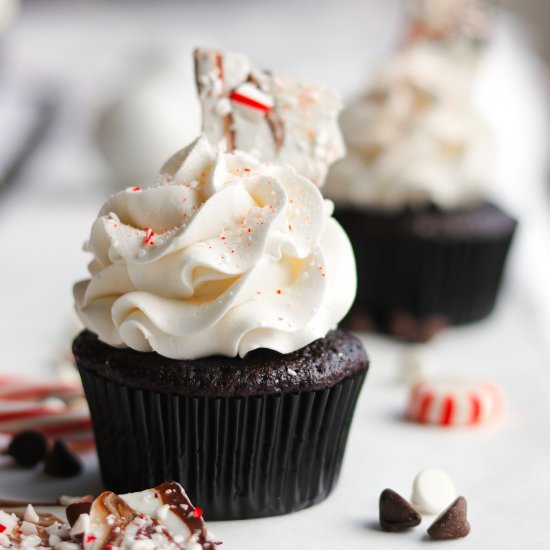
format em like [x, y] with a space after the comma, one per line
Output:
[209, 354]
[413, 191]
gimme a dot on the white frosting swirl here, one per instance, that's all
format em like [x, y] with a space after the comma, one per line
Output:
[224, 256]
[415, 138]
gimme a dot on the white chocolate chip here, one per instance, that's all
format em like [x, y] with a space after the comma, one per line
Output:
[433, 491]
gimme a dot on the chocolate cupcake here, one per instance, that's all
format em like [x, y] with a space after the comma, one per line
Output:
[257, 436]
[413, 192]
[209, 355]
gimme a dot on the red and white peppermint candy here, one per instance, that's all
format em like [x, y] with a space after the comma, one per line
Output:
[14, 387]
[453, 401]
[251, 96]
[49, 406]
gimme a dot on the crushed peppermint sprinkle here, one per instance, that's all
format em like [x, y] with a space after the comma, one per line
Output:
[291, 372]
[2, 528]
[239, 97]
[149, 234]
[90, 538]
[197, 512]
[135, 189]
[279, 291]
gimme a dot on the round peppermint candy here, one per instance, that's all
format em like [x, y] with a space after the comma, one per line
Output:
[453, 401]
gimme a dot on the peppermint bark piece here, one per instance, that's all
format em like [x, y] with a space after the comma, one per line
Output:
[274, 117]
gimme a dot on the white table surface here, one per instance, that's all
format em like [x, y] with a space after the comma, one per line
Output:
[503, 469]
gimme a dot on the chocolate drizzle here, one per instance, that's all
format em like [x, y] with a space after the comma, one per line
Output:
[277, 128]
[113, 521]
[204, 90]
[275, 122]
[273, 118]
[172, 493]
[228, 118]
[75, 509]
[109, 517]
[18, 537]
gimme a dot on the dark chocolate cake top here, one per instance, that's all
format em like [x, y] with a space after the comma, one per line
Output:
[483, 222]
[319, 365]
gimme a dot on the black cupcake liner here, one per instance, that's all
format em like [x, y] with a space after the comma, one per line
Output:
[444, 273]
[236, 457]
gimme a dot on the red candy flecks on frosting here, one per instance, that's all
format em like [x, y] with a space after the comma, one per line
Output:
[149, 234]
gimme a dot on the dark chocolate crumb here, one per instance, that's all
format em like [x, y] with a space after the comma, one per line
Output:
[396, 514]
[452, 523]
[28, 448]
[61, 462]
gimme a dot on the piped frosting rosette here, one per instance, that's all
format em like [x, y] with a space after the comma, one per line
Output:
[414, 139]
[225, 255]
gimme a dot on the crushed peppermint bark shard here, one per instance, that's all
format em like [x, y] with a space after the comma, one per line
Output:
[162, 518]
[274, 117]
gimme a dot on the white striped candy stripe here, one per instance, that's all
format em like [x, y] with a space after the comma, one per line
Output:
[19, 388]
[12, 410]
[53, 423]
[453, 401]
[251, 96]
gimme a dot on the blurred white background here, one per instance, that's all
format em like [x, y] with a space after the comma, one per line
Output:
[120, 76]
[118, 79]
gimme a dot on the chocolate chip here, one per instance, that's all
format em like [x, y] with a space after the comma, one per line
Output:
[452, 523]
[396, 514]
[76, 509]
[61, 462]
[28, 448]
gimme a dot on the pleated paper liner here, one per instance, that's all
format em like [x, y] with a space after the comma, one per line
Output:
[405, 276]
[237, 457]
